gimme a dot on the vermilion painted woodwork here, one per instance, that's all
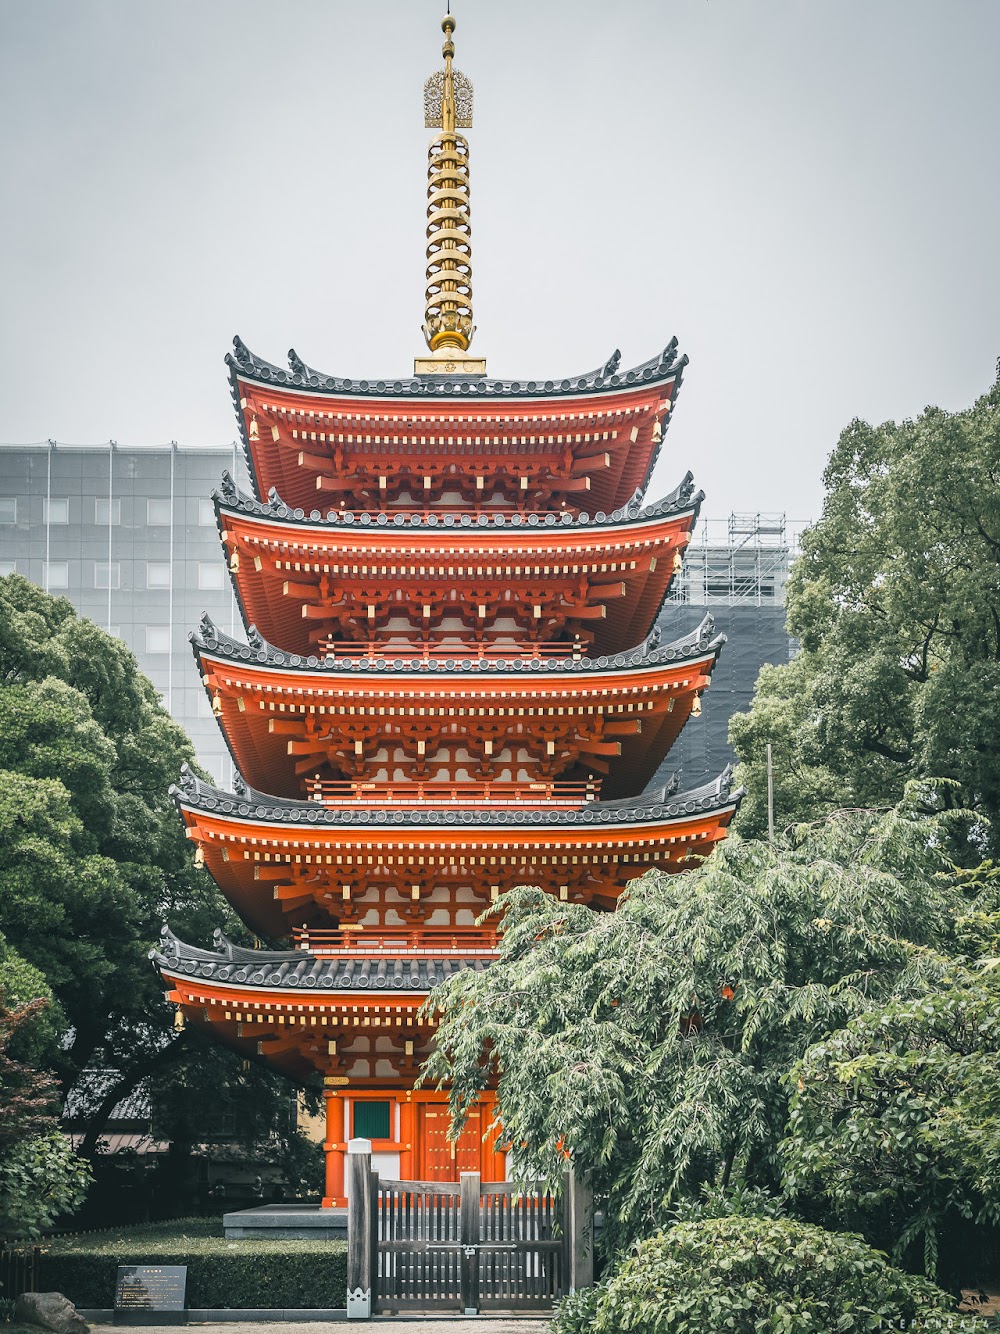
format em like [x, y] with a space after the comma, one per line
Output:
[591, 452]
[282, 876]
[406, 587]
[296, 1036]
[287, 729]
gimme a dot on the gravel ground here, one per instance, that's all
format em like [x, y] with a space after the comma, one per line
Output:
[407, 1325]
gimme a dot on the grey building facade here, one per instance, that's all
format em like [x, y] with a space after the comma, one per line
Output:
[129, 536]
[735, 569]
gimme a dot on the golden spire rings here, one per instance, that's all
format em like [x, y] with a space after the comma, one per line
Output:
[448, 326]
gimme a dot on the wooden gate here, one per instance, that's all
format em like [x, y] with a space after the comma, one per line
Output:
[463, 1246]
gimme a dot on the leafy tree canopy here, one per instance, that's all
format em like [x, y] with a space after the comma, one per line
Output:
[92, 856]
[895, 1119]
[27, 1096]
[40, 1177]
[35, 1042]
[653, 1045]
[895, 600]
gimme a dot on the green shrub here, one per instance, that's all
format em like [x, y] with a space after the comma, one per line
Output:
[748, 1275]
[221, 1273]
[739, 1201]
[40, 1178]
[577, 1314]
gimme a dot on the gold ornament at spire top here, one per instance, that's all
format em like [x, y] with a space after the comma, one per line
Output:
[448, 326]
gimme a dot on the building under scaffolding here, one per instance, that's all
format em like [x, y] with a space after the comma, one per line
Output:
[737, 571]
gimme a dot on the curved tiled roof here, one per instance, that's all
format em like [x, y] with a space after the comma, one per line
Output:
[605, 378]
[247, 803]
[679, 501]
[290, 969]
[648, 654]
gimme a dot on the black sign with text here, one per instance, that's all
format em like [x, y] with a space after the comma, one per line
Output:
[150, 1288]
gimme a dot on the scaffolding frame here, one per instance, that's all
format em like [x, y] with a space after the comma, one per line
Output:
[746, 567]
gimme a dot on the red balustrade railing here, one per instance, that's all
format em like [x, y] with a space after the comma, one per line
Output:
[414, 792]
[456, 510]
[487, 650]
[434, 940]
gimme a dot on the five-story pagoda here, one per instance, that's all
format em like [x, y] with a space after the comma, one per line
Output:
[451, 686]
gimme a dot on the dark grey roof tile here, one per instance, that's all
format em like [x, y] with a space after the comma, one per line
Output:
[682, 499]
[649, 654]
[299, 970]
[247, 803]
[607, 378]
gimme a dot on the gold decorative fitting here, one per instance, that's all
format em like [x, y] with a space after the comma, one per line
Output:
[448, 323]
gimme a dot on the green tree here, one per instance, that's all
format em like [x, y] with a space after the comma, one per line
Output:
[92, 855]
[37, 1042]
[895, 600]
[895, 1121]
[27, 1096]
[40, 1177]
[653, 1044]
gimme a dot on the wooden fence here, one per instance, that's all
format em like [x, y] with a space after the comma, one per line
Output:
[18, 1270]
[462, 1246]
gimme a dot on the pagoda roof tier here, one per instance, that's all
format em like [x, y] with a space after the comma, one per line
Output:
[304, 1011]
[588, 440]
[306, 579]
[296, 969]
[283, 863]
[299, 725]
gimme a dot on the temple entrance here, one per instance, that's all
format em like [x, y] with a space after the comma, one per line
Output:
[439, 1158]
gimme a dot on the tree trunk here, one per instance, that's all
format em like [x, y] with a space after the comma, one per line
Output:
[126, 1085]
[727, 1170]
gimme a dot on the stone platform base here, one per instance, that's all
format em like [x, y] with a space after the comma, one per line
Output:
[300, 1222]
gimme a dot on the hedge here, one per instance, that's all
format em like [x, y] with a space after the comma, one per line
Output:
[221, 1273]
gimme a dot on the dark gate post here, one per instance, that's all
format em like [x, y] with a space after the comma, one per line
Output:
[359, 1229]
[470, 1197]
[580, 1226]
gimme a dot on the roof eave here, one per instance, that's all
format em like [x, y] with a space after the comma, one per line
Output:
[245, 365]
[710, 800]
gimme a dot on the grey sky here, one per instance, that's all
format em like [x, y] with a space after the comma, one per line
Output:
[805, 192]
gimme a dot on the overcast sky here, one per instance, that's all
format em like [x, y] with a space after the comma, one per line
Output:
[805, 192]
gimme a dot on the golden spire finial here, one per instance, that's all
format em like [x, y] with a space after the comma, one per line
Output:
[448, 325]
[448, 119]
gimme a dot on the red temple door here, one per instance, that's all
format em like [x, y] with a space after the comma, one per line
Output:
[439, 1158]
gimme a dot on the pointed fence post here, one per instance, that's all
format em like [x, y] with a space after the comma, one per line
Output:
[359, 1229]
[470, 1197]
[580, 1225]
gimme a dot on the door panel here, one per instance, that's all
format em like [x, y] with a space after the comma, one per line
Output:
[439, 1159]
